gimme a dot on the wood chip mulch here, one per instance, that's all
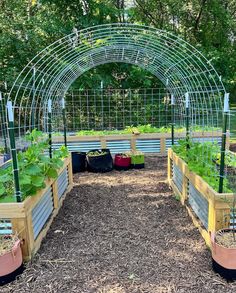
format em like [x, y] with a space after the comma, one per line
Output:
[122, 232]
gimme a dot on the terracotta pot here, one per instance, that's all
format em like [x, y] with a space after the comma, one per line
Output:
[11, 264]
[122, 163]
[223, 259]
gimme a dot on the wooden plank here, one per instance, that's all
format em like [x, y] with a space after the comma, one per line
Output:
[198, 225]
[222, 214]
[163, 145]
[55, 195]
[169, 167]
[133, 143]
[103, 142]
[78, 138]
[70, 173]
[20, 227]
[184, 190]
[12, 210]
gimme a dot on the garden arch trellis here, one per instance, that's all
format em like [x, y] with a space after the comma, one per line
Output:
[183, 70]
[177, 64]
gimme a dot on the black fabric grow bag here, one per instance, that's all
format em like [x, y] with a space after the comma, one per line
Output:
[78, 162]
[101, 163]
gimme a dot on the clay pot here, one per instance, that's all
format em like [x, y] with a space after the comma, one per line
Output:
[11, 264]
[121, 162]
[223, 259]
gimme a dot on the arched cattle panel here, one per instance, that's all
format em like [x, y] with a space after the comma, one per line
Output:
[177, 64]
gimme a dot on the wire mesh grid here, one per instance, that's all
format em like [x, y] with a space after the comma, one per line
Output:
[178, 65]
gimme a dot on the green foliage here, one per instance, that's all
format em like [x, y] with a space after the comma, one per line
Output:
[29, 26]
[147, 128]
[202, 159]
[34, 167]
[96, 153]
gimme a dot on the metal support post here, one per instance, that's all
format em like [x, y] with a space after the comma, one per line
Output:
[187, 119]
[3, 121]
[172, 119]
[13, 151]
[223, 142]
[50, 126]
[64, 120]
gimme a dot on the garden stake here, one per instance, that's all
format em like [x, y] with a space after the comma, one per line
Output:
[50, 127]
[3, 118]
[223, 142]
[64, 120]
[33, 102]
[172, 119]
[102, 103]
[187, 119]
[13, 151]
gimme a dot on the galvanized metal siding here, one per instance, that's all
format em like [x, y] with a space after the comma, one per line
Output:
[41, 212]
[118, 146]
[82, 146]
[62, 183]
[6, 165]
[148, 145]
[177, 177]
[169, 142]
[207, 139]
[199, 204]
[5, 227]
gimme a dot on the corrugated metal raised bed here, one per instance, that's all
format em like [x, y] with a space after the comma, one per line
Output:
[209, 210]
[145, 142]
[32, 218]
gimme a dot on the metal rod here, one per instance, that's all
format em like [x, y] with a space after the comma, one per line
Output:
[13, 151]
[64, 120]
[172, 119]
[3, 118]
[223, 142]
[33, 103]
[187, 119]
[50, 127]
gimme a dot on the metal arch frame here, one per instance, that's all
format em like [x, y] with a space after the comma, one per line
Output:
[51, 72]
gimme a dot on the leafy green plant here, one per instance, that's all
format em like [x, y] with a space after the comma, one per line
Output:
[35, 167]
[96, 153]
[202, 159]
[142, 128]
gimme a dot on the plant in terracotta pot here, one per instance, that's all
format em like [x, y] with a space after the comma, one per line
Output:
[122, 162]
[11, 262]
[223, 244]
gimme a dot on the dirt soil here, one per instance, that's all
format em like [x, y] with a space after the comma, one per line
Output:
[122, 232]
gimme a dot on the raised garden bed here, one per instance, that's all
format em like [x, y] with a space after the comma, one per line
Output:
[209, 210]
[32, 218]
[119, 143]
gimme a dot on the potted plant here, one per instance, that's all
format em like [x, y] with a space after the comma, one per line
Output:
[78, 161]
[99, 160]
[223, 248]
[137, 159]
[122, 162]
[223, 242]
[11, 262]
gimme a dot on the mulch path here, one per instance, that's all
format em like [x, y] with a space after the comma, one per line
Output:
[122, 232]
